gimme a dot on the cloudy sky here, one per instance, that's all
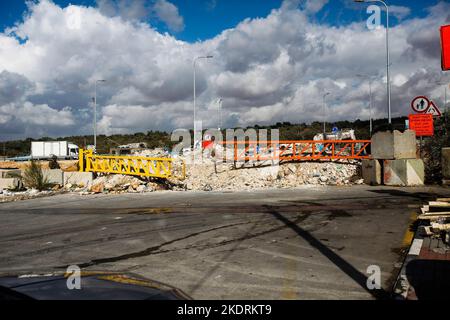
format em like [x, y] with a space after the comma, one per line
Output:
[273, 61]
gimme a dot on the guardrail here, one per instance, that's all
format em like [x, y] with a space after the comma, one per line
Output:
[129, 165]
[301, 150]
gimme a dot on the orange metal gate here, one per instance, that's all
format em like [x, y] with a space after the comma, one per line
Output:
[298, 150]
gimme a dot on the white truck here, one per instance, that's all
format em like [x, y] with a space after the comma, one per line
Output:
[42, 150]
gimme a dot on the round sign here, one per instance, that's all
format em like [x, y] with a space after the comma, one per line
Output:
[420, 104]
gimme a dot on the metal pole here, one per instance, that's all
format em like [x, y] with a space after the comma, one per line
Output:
[370, 107]
[220, 113]
[324, 116]
[95, 118]
[388, 62]
[388, 58]
[195, 102]
[195, 94]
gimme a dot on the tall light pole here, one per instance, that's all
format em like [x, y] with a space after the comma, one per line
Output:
[370, 99]
[445, 84]
[195, 88]
[324, 114]
[219, 105]
[95, 113]
[388, 58]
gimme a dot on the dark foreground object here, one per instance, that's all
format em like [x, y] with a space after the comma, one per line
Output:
[93, 286]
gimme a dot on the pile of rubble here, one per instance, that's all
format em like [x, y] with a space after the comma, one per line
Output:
[211, 176]
[204, 177]
[121, 184]
[11, 196]
[435, 220]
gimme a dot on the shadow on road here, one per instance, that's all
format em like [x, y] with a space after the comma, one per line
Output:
[347, 268]
[423, 196]
[429, 278]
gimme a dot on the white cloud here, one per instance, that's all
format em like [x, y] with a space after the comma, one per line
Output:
[266, 70]
[400, 12]
[168, 13]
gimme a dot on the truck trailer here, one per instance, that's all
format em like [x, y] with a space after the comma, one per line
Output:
[42, 150]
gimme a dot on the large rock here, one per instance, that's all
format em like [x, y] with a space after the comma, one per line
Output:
[404, 172]
[371, 172]
[394, 145]
[78, 178]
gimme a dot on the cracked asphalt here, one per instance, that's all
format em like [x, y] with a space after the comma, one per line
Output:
[305, 243]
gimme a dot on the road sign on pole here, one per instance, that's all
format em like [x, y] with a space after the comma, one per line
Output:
[422, 124]
[433, 110]
[420, 104]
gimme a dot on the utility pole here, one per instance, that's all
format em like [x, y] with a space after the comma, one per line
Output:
[195, 92]
[388, 58]
[370, 100]
[324, 114]
[95, 113]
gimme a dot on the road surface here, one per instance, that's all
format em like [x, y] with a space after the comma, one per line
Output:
[305, 243]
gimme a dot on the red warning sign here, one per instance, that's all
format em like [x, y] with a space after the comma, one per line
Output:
[422, 124]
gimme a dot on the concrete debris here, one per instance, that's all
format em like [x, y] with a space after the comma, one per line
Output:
[120, 184]
[12, 196]
[152, 153]
[202, 177]
[209, 176]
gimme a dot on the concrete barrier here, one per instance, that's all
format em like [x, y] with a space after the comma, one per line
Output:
[371, 172]
[394, 145]
[54, 176]
[404, 172]
[78, 178]
[8, 173]
[10, 183]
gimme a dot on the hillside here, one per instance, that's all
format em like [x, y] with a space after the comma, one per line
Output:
[288, 131]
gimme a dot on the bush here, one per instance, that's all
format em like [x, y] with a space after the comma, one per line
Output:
[432, 149]
[33, 177]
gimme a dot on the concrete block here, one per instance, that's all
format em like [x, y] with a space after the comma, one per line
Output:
[394, 145]
[10, 183]
[371, 172]
[445, 162]
[78, 178]
[404, 172]
[8, 173]
[54, 176]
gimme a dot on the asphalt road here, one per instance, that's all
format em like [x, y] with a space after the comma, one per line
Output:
[306, 243]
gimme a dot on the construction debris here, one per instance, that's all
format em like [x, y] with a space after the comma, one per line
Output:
[212, 176]
[121, 183]
[435, 220]
[208, 177]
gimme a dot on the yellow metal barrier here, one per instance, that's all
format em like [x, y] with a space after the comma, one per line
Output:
[129, 165]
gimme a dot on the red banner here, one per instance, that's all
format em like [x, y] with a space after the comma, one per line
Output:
[445, 42]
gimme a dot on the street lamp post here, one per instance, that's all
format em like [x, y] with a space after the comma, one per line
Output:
[219, 102]
[324, 114]
[388, 76]
[95, 113]
[195, 88]
[370, 100]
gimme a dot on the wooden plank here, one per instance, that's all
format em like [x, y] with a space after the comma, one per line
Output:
[443, 199]
[435, 215]
[438, 204]
[440, 226]
[425, 209]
